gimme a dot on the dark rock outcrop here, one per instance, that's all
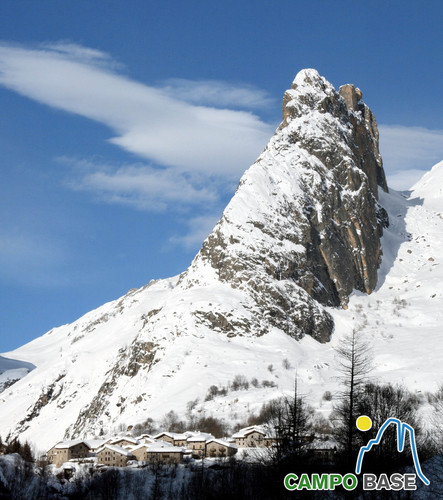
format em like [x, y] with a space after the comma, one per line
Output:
[138, 355]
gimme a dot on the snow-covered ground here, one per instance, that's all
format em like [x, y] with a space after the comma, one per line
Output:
[402, 318]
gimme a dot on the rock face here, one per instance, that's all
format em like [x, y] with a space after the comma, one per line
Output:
[303, 229]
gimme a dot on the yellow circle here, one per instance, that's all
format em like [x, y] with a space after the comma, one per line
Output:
[364, 423]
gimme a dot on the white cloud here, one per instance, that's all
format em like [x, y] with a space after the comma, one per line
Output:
[197, 147]
[142, 186]
[408, 152]
[217, 93]
[82, 54]
[149, 122]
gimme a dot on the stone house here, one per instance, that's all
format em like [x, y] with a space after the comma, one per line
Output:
[140, 452]
[254, 436]
[197, 444]
[168, 437]
[220, 449]
[113, 456]
[165, 455]
[173, 438]
[95, 444]
[158, 453]
[181, 440]
[66, 450]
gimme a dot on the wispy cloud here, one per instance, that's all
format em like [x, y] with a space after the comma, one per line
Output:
[82, 54]
[192, 145]
[408, 152]
[217, 93]
[154, 123]
[196, 147]
[141, 186]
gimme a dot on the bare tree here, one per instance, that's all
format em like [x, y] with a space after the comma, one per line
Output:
[354, 359]
[287, 419]
[172, 423]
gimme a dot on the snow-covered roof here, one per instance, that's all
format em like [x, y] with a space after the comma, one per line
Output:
[202, 436]
[138, 447]
[242, 433]
[184, 436]
[160, 444]
[164, 445]
[124, 438]
[144, 436]
[168, 434]
[70, 444]
[174, 435]
[95, 443]
[117, 449]
[222, 442]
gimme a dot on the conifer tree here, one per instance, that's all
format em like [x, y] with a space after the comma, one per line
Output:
[26, 453]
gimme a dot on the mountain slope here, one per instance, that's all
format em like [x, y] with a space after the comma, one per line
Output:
[297, 245]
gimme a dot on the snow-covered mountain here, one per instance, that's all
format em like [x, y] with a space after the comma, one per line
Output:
[296, 262]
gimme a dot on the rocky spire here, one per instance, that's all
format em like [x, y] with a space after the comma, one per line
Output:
[303, 229]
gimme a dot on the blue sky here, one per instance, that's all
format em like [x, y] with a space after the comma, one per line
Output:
[125, 127]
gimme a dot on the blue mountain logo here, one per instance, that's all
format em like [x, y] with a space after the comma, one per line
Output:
[364, 423]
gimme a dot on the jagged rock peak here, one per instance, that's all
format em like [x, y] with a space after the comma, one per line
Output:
[310, 93]
[303, 229]
[308, 90]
